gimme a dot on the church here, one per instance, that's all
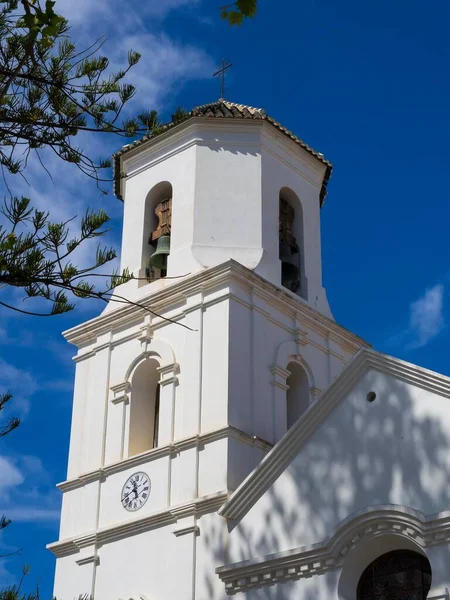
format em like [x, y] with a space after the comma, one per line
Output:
[229, 438]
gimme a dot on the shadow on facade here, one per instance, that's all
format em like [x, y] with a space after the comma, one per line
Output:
[390, 454]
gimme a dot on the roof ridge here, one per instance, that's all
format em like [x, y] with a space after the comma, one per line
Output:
[239, 105]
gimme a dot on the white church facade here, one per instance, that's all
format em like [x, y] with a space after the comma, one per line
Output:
[229, 438]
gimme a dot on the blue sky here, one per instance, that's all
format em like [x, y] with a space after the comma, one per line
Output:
[366, 84]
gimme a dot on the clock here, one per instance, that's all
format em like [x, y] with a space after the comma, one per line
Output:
[136, 491]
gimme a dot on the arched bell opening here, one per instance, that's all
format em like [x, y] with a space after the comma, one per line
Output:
[157, 230]
[291, 243]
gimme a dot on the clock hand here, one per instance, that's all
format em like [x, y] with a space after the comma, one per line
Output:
[126, 496]
[143, 486]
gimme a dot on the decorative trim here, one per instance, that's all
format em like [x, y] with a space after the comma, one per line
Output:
[155, 453]
[186, 530]
[301, 337]
[81, 480]
[287, 351]
[105, 535]
[120, 391]
[168, 374]
[280, 376]
[94, 558]
[181, 512]
[330, 554]
[176, 292]
[146, 335]
[160, 351]
[278, 371]
[85, 541]
[278, 459]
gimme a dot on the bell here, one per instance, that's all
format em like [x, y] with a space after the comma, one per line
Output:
[158, 260]
[290, 276]
[284, 252]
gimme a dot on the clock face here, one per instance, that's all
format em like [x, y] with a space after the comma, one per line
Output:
[136, 491]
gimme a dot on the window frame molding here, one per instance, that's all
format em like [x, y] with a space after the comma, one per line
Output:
[168, 369]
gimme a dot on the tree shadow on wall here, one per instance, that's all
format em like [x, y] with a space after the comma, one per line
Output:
[391, 451]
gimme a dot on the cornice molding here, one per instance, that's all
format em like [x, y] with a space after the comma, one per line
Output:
[120, 392]
[330, 554]
[190, 133]
[156, 453]
[160, 518]
[222, 275]
[315, 392]
[279, 458]
[182, 136]
[86, 560]
[186, 530]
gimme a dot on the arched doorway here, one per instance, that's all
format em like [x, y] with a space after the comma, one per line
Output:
[397, 575]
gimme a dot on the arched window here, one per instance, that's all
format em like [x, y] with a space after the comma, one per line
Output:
[398, 575]
[144, 408]
[297, 396]
[291, 246]
[157, 230]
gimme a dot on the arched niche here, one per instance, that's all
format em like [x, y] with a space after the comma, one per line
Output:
[144, 407]
[160, 192]
[297, 394]
[293, 386]
[292, 242]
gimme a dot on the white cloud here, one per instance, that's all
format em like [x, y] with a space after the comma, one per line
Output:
[26, 490]
[10, 477]
[88, 12]
[136, 25]
[426, 316]
[165, 63]
[31, 514]
[21, 383]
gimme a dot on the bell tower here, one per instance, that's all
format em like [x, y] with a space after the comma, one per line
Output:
[234, 184]
[226, 342]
